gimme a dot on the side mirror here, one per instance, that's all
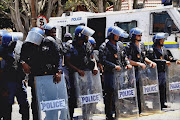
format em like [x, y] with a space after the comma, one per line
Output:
[168, 26]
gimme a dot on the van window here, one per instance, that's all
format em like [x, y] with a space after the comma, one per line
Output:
[127, 26]
[72, 29]
[159, 20]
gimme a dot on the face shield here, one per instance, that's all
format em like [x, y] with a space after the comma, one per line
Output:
[87, 31]
[135, 31]
[18, 35]
[34, 37]
[124, 35]
[161, 36]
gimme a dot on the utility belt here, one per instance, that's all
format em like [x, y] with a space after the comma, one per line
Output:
[49, 69]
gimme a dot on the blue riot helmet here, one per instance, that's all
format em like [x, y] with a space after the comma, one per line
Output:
[8, 39]
[158, 37]
[115, 30]
[134, 32]
[92, 40]
[48, 27]
[35, 35]
[109, 31]
[123, 35]
[82, 31]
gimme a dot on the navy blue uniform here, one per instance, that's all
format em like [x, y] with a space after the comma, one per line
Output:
[160, 56]
[80, 58]
[110, 56]
[138, 55]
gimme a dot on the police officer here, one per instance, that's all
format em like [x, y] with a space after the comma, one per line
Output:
[112, 59]
[29, 59]
[50, 41]
[136, 52]
[162, 57]
[78, 59]
[67, 37]
[13, 80]
[40, 57]
[93, 45]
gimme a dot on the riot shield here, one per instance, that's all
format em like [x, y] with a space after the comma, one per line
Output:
[173, 85]
[52, 98]
[149, 90]
[89, 96]
[125, 94]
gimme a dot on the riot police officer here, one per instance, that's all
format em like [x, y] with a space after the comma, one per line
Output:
[78, 59]
[162, 57]
[136, 52]
[50, 42]
[29, 59]
[12, 79]
[40, 56]
[112, 59]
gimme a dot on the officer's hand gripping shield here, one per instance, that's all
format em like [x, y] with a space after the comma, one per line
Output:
[34, 37]
[125, 94]
[149, 90]
[89, 96]
[173, 85]
[52, 98]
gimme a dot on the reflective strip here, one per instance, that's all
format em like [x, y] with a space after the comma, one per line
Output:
[166, 44]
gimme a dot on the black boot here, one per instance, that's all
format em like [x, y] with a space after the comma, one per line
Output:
[24, 111]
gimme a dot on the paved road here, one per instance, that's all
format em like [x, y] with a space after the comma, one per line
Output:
[167, 114]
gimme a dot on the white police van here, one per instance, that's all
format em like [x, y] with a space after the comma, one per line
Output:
[151, 20]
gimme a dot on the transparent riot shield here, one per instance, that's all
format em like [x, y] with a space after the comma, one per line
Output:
[89, 97]
[149, 90]
[52, 98]
[125, 94]
[173, 85]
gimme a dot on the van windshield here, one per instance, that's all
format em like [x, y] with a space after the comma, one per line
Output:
[159, 20]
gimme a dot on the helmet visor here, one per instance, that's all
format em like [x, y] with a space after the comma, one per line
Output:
[87, 31]
[34, 37]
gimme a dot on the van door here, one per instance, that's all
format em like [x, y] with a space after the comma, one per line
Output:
[99, 25]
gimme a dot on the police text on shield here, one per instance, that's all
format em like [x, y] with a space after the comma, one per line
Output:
[92, 98]
[127, 93]
[150, 89]
[174, 86]
[52, 105]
